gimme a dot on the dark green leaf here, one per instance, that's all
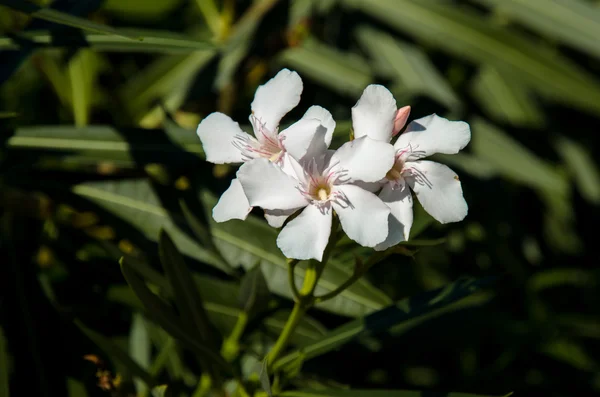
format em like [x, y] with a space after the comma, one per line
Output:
[405, 310]
[114, 351]
[162, 313]
[184, 289]
[374, 393]
[254, 292]
[62, 18]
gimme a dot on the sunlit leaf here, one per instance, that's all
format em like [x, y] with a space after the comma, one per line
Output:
[467, 34]
[168, 78]
[140, 348]
[407, 66]
[513, 160]
[153, 42]
[582, 168]
[505, 100]
[346, 73]
[573, 22]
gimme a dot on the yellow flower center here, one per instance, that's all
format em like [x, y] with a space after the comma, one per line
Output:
[323, 193]
[396, 172]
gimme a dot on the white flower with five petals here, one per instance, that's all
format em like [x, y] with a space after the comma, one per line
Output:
[224, 141]
[436, 186]
[324, 182]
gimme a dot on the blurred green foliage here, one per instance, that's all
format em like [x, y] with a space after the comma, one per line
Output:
[99, 101]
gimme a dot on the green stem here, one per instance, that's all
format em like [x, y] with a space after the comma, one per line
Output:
[290, 326]
[359, 271]
[292, 278]
[231, 345]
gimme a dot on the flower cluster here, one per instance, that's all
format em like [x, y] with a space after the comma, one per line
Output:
[367, 182]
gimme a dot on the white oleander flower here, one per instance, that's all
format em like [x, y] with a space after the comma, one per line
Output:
[323, 182]
[436, 186]
[224, 141]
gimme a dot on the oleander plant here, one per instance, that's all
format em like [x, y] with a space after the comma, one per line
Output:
[299, 198]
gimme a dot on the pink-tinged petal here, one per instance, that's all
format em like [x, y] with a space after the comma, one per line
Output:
[267, 186]
[276, 98]
[306, 236]
[299, 137]
[364, 217]
[399, 201]
[233, 204]
[364, 159]
[219, 134]
[438, 189]
[325, 118]
[434, 134]
[374, 114]
[276, 218]
[400, 120]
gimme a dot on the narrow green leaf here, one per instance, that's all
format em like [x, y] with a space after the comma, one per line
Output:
[166, 79]
[254, 292]
[4, 366]
[346, 73]
[114, 351]
[184, 289]
[408, 67]
[405, 310]
[62, 18]
[163, 314]
[142, 10]
[469, 35]
[83, 71]
[94, 144]
[506, 100]
[220, 300]
[265, 382]
[153, 42]
[514, 161]
[140, 348]
[241, 243]
[582, 168]
[573, 22]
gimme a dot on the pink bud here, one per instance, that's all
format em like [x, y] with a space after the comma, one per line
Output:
[400, 120]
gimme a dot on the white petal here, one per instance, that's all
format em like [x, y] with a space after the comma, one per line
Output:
[299, 137]
[364, 159]
[399, 201]
[218, 133]
[438, 190]
[364, 217]
[233, 204]
[306, 236]
[276, 97]
[276, 218]
[374, 114]
[434, 134]
[326, 119]
[267, 186]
